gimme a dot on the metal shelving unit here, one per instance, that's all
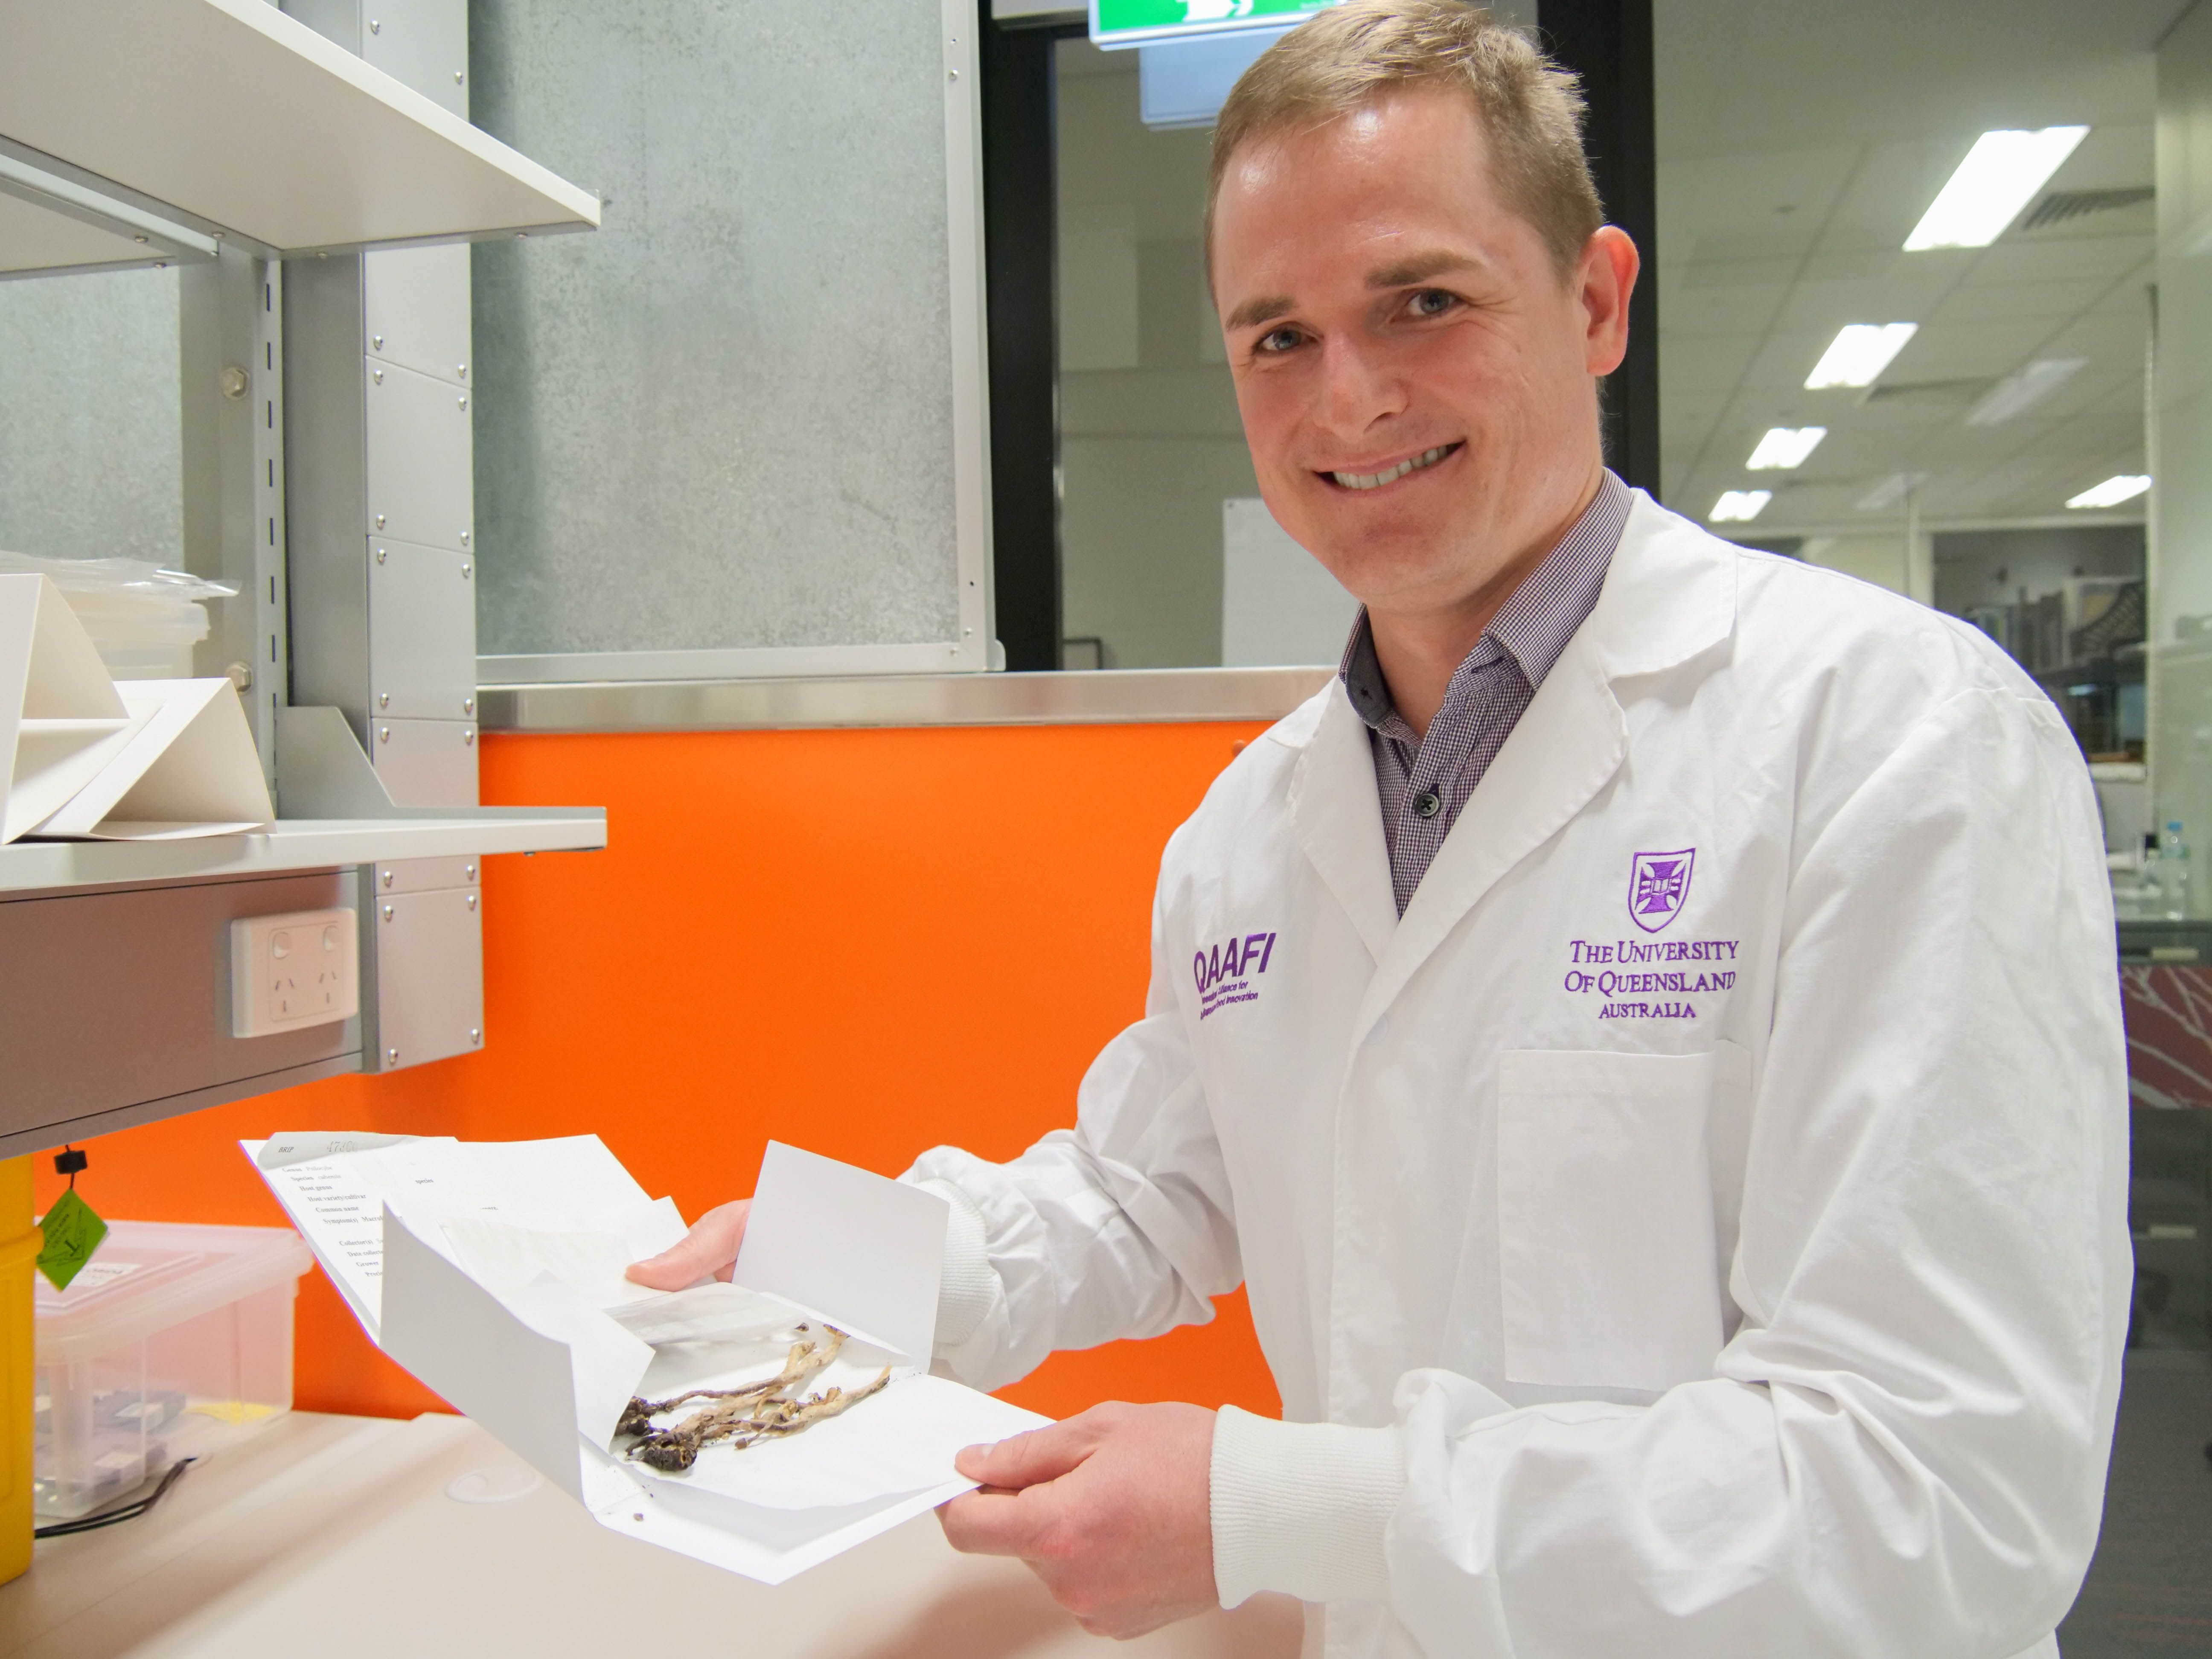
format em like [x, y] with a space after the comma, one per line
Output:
[227, 136]
[232, 135]
[232, 120]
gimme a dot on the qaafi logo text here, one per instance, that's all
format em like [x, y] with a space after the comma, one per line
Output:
[1229, 973]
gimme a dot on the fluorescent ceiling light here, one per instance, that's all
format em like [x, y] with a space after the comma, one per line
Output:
[1785, 446]
[1999, 177]
[1739, 505]
[2114, 490]
[1859, 353]
[2014, 394]
[1890, 491]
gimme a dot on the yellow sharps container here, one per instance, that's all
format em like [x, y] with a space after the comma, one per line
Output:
[19, 1249]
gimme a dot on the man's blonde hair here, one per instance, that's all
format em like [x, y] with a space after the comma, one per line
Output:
[1354, 55]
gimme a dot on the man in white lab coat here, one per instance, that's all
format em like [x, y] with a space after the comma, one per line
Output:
[1647, 1035]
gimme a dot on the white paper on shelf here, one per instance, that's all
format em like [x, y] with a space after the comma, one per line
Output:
[187, 768]
[61, 718]
[534, 1347]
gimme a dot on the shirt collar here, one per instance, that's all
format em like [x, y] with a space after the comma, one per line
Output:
[1534, 626]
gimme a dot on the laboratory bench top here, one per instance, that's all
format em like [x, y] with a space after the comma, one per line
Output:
[338, 1537]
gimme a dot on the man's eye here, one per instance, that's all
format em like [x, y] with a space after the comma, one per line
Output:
[1431, 302]
[1279, 340]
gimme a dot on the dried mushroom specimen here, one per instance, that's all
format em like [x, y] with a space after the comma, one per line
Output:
[760, 1410]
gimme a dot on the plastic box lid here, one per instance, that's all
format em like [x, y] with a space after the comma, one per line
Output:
[147, 1276]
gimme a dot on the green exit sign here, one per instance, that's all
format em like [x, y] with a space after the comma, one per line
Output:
[1134, 22]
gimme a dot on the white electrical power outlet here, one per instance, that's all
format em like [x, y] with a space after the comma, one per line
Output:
[293, 970]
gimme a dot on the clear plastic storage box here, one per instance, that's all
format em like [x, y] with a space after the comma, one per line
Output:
[173, 1341]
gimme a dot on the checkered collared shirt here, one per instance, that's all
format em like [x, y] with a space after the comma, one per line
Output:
[1424, 782]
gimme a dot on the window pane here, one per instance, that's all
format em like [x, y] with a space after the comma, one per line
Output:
[725, 420]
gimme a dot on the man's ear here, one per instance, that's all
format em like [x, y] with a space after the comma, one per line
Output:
[1605, 280]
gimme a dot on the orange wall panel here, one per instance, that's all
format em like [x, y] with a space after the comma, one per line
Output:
[864, 943]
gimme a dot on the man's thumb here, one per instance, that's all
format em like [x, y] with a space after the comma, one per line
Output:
[710, 1248]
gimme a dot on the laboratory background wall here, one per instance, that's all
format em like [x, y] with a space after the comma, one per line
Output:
[861, 942]
[91, 443]
[2180, 624]
[1151, 442]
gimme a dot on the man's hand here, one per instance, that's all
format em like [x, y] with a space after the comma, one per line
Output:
[710, 1248]
[1109, 1509]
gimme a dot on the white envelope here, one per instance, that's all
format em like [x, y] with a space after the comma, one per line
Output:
[489, 1278]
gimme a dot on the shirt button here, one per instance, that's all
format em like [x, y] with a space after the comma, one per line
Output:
[1426, 804]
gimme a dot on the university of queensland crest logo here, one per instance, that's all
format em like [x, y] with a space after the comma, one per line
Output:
[1658, 884]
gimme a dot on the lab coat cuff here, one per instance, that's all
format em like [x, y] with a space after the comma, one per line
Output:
[1302, 1507]
[968, 1284]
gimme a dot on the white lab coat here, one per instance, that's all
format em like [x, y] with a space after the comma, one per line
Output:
[1772, 1307]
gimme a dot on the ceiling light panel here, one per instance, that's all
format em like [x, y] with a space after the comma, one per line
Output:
[1999, 177]
[1739, 505]
[1859, 353]
[1785, 446]
[2016, 393]
[2126, 487]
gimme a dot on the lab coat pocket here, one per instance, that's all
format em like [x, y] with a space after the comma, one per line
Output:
[1605, 1216]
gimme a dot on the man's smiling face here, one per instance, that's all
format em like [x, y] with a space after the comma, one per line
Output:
[1415, 373]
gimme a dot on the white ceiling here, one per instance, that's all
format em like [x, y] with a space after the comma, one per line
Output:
[1799, 142]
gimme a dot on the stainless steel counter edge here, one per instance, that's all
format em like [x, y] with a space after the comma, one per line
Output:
[1116, 697]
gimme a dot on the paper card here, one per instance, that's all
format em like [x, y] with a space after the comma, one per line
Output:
[767, 1546]
[189, 768]
[866, 1250]
[336, 1208]
[282, 1151]
[573, 1174]
[334, 1187]
[60, 715]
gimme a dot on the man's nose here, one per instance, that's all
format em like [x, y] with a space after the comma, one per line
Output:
[1359, 386]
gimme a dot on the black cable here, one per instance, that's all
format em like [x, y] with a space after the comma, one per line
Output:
[128, 1511]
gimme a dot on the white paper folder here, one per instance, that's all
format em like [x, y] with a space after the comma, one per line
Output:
[492, 1271]
[61, 717]
[83, 758]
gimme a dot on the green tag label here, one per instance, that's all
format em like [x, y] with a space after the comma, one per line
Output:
[72, 1233]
